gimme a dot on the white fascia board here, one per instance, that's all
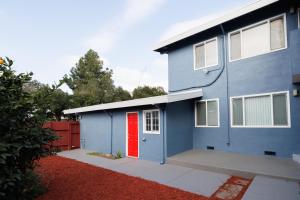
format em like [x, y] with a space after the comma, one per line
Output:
[173, 97]
[217, 21]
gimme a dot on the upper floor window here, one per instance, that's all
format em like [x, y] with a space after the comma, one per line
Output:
[298, 17]
[262, 110]
[260, 38]
[151, 121]
[206, 54]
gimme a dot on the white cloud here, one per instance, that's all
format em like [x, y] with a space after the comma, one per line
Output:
[181, 27]
[134, 12]
[69, 61]
[155, 74]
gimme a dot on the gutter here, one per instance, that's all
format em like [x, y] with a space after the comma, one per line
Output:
[163, 109]
[227, 87]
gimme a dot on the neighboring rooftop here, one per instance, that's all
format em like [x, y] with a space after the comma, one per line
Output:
[174, 97]
[235, 13]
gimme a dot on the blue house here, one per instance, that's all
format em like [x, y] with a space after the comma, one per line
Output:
[233, 86]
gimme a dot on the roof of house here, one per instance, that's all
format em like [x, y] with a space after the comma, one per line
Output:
[217, 21]
[174, 97]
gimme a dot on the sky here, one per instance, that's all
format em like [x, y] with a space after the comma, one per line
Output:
[48, 37]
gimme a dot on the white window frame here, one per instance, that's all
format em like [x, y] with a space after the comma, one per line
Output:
[204, 43]
[272, 116]
[253, 25]
[144, 122]
[195, 111]
[298, 16]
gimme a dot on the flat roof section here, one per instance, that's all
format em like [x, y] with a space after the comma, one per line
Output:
[169, 98]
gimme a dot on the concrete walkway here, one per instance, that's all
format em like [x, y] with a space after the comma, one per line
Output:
[266, 188]
[192, 180]
[196, 181]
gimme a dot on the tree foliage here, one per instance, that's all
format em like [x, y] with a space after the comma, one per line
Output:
[147, 91]
[90, 81]
[22, 139]
[50, 102]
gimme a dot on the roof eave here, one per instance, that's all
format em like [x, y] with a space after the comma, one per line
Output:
[215, 22]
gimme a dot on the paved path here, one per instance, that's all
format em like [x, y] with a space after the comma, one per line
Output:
[192, 180]
[196, 181]
[266, 188]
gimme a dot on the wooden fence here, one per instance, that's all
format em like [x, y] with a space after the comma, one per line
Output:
[69, 133]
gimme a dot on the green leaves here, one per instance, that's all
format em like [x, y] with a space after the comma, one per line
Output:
[22, 139]
[146, 91]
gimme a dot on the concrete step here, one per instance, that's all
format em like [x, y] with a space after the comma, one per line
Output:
[238, 165]
[296, 158]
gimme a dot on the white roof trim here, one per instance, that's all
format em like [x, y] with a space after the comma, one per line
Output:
[173, 97]
[219, 20]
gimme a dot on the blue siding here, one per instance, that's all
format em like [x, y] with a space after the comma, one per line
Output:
[270, 72]
[266, 73]
[180, 127]
[96, 132]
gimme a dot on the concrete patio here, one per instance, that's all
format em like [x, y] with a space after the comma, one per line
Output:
[199, 181]
[239, 165]
[196, 181]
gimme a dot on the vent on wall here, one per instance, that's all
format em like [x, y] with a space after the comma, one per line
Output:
[210, 148]
[270, 153]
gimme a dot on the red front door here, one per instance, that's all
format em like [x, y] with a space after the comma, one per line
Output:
[132, 134]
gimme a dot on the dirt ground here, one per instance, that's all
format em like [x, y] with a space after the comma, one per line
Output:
[70, 179]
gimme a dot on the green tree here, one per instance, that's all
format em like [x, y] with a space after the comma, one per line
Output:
[89, 81]
[147, 91]
[50, 102]
[22, 138]
[121, 95]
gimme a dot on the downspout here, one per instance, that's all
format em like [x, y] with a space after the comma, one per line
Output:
[227, 87]
[162, 108]
[111, 130]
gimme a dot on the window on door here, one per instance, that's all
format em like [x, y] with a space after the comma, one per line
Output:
[264, 110]
[151, 121]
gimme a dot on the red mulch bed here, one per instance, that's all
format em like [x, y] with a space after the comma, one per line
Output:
[70, 179]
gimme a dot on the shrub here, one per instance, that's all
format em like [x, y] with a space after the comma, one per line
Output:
[119, 154]
[22, 139]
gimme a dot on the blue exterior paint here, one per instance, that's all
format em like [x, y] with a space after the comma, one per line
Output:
[180, 127]
[266, 73]
[95, 131]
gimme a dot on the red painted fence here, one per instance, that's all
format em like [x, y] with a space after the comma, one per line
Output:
[69, 133]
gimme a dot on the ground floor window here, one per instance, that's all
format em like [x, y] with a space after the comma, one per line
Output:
[151, 121]
[207, 113]
[263, 110]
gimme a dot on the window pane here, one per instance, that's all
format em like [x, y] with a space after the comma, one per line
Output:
[235, 46]
[237, 112]
[280, 109]
[212, 113]
[258, 111]
[201, 113]
[255, 40]
[298, 17]
[148, 121]
[199, 53]
[211, 53]
[155, 122]
[277, 34]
